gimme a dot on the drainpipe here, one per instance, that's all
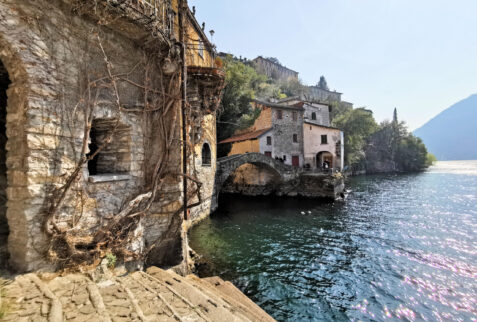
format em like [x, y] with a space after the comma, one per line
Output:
[183, 106]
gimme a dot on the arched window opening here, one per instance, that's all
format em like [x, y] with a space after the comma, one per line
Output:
[206, 155]
[313, 116]
[4, 230]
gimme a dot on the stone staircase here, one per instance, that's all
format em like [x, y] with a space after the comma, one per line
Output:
[155, 295]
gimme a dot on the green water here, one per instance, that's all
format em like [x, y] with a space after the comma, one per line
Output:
[400, 247]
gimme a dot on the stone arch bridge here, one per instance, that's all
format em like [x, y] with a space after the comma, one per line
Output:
[227, 165]
[294, 181]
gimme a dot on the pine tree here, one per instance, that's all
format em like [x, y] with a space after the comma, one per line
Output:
[322, 83]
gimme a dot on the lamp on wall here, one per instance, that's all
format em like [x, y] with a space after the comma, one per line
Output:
[212, 32]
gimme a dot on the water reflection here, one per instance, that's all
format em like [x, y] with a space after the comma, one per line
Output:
[400, 247]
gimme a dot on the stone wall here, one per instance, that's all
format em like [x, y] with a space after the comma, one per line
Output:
[50, 50]
[316, 94]
[274, 70]
[283, 131]
[247, 146]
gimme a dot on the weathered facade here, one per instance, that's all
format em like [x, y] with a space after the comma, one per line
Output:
[94, 121]
[274, 70]
[316, 113]
[318, 94]
[323, 144]
[277, 133]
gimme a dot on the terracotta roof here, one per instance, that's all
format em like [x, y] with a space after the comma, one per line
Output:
[276, 105]
[328, 127]
[245, 136]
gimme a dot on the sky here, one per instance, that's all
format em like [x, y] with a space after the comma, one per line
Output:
[419, 56]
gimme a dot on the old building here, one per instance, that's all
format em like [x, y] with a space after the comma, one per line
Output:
[323, 145]
[274, 70]
[277, 132]
[205, 83]
[106, 141]
[316, 93]
[315, 113]
[296, 131]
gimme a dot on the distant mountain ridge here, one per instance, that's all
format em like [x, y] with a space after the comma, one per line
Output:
[452, 134]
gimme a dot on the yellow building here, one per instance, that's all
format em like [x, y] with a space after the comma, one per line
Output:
[205, 81]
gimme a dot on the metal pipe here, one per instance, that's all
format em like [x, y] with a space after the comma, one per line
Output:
[183, 106]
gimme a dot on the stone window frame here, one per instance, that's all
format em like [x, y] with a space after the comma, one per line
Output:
[294, 116]
[123, 132]
[313, 116]
[295, 138]
[324, 139]
[206, 158]
[279, 115]
[269, 140]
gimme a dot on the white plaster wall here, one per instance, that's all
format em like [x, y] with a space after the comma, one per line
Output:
[262, 142]
[312, 145]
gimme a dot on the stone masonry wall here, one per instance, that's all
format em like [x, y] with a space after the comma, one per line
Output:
[49, 52]
[283, 131]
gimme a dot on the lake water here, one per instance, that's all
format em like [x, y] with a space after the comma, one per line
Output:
[400, 246]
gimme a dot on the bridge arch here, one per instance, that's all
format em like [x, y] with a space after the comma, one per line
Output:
[228, 165]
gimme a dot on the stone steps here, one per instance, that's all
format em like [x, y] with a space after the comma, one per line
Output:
[157, 295]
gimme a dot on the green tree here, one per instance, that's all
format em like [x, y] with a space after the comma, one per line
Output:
[358, 124]
[411, 154]
[293, 87]
[394, 146]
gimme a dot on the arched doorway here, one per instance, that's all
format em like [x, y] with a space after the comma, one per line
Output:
[324, 160]
[4, 230]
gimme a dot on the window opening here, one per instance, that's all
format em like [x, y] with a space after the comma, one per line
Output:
[206, 155]
[269, 140]
[115, 156]
[295, 138]
[324, 139]
[313, 116]
[279, 114]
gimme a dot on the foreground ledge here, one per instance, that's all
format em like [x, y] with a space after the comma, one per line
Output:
[155, 295]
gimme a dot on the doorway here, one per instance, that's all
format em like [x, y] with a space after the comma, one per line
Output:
[324, 160]
[4, 230]
[295, 160]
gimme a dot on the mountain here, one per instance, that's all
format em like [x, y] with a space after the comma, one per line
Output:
[452, 134]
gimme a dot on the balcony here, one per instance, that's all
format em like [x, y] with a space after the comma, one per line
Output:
[210, 76]
[157, 16]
